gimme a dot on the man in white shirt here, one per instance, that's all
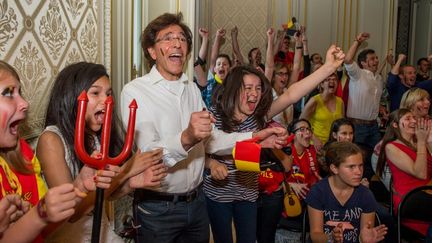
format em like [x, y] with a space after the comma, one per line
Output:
[365, 89]
[171, 115]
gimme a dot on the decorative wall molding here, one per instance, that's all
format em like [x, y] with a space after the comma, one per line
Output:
[40, 38]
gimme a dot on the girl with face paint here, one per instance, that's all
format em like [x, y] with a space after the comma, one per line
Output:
[305, 169]
[342, 130]
[241, 107]
[243, 103]
[22, 186]
[406, 149]
[416, 100]
[59, 161]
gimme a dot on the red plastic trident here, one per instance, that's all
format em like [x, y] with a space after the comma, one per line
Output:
[99, 163]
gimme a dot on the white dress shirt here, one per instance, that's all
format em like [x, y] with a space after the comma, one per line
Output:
[164, 110]
[365, 89]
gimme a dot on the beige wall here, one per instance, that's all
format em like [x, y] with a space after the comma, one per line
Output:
[250, 16]
[39, 38]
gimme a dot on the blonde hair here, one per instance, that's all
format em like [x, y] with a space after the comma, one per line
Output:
[411, 96]
[13, 156]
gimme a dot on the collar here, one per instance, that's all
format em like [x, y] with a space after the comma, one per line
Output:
[155, 76]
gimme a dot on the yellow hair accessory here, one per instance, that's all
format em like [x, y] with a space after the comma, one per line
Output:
[218, 79]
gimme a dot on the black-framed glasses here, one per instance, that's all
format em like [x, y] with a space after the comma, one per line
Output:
[170, 38]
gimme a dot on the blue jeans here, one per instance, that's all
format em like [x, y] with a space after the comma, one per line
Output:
[368, 135]
[169, 222]
[243, 213]
[269, 213]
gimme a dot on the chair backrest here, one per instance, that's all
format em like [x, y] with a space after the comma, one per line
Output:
[405, 202]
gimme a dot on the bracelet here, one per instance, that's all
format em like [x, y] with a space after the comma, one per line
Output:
[41, 209]
[199, 61]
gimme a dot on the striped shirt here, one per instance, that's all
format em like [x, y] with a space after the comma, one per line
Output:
[239, 185]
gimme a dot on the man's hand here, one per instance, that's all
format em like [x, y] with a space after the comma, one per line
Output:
[362, 37]
[401, 57]
[220, 33]
[203, 32]
[199, 128]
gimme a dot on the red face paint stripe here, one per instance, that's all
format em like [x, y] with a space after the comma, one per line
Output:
[3, 120]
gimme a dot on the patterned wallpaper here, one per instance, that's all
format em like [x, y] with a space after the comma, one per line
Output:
[39, 38]
[250, 16]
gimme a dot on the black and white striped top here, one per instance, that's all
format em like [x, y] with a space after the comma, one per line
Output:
[239, 185]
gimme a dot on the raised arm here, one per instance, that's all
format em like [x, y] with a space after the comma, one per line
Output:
[334, 59]
[389, 60]
[306, 58]
[297, 57]
[220, 34]
[269, 64]
[235, 45]
[202, 56]
[349, 57]
[396, 67]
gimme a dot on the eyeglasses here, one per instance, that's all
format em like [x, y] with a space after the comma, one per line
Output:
[170, 38]
[303, 129]
[282, 74]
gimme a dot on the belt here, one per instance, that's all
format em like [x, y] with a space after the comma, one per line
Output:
[362, 122]
[149, 195]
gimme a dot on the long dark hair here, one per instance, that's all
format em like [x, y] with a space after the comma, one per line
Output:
[229, 93]
[391, 134]
[62, 107]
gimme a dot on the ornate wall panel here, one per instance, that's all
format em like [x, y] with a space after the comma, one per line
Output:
[40, 38]
[250, 16]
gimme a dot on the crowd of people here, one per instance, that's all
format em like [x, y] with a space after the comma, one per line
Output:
[182, 173]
